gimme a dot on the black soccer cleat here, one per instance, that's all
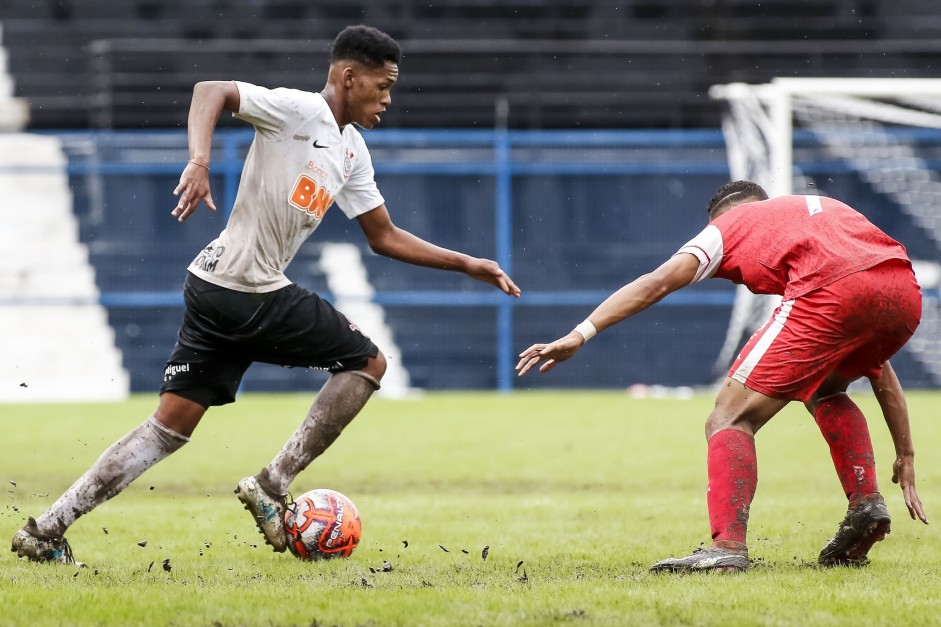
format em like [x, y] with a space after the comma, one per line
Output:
[867, 521]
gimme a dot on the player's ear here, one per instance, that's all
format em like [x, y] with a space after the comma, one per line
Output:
[347, 75]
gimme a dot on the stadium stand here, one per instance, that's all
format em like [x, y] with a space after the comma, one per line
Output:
[14, 112]
[572, 233]
[49, 270]
[522, 63]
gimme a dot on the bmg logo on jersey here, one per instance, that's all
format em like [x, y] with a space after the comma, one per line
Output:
[310, 197]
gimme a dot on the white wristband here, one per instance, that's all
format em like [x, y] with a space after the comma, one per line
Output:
[586, 329]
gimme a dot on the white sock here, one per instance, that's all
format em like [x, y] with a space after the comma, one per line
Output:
[340, 399]
[118, 466]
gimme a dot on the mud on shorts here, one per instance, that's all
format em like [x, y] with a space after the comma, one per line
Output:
[224, 331]
[851, 327]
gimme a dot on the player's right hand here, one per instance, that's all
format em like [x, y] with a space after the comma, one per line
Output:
[490, 272]
[193, 189]
[551, 354]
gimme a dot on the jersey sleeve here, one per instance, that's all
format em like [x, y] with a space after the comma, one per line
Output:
[273, 112]
[707, 247]
[360, 194]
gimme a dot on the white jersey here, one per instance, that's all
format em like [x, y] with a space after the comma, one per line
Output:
[299, 163]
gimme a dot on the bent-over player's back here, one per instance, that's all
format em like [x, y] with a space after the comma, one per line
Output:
[791, 245]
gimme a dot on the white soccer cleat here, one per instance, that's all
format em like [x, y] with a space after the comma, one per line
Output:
[705, 560]
[267, 511]
[32, 544]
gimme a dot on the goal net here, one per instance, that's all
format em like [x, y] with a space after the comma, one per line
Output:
[874, 143]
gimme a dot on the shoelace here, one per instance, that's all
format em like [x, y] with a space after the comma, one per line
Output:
[66, 550]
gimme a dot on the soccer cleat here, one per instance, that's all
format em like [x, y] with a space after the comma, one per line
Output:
[31, 543]
[268, 512]
[705, 560]
[867, 522]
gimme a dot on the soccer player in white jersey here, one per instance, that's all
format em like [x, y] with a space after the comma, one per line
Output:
[241, 308]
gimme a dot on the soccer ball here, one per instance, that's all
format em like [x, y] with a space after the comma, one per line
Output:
[321, 524]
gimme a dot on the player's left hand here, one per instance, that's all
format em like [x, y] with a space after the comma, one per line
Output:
[490, 272]
[552, 354]
[903, 473]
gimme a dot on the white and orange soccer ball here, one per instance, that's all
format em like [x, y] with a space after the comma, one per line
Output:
[321, 524]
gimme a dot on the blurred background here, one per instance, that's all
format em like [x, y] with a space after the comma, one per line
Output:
[575, 141]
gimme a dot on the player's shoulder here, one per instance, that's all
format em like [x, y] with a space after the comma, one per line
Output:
[288, 94]
[308, 98]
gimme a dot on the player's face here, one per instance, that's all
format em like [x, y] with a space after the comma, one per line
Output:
[371, 92]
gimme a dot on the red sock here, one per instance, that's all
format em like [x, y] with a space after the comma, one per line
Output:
[733, 476]
[844, 428]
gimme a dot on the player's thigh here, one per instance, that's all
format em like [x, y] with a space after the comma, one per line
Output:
[202, 376]
[740, 407]
[882, 313]
[300, 329]
[795, 350]
[851, 326]
[783, 358]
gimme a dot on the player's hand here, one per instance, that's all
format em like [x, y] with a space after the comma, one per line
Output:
[903, 473]
[551, 354]
[193, 189]
[490, 272]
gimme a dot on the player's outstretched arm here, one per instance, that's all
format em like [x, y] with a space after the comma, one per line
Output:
[210, 99]
[386, 239]
[891, 399]
[677, 272]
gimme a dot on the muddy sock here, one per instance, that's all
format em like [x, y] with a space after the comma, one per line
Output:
[118, 466]
[844, 428]
[340, 399]
[733, 477]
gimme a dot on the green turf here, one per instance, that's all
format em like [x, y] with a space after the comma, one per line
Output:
[575, 493]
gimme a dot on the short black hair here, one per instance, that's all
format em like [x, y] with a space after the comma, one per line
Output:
[735, 192]
[365, 44]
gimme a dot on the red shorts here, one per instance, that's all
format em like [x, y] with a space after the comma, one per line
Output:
[851, 327]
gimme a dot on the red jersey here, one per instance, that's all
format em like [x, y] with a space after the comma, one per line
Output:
[790, 245]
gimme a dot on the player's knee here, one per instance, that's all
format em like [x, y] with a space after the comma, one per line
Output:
[178, 414]
[813, 403]
[721, 420]
[821, 396]
[376, 366]
[832, 387]
[714, 424]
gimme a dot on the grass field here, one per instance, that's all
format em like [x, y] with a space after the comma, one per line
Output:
[574, 493]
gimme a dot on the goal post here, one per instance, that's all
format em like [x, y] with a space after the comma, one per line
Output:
[875, 143]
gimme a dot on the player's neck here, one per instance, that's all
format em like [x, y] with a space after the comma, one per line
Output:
[336, 106]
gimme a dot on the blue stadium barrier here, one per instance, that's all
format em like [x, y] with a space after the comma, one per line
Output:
[571, 215]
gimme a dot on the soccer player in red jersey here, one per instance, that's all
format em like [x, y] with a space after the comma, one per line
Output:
[849, 302]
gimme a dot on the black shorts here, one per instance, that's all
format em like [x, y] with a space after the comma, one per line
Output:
[224, 331]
